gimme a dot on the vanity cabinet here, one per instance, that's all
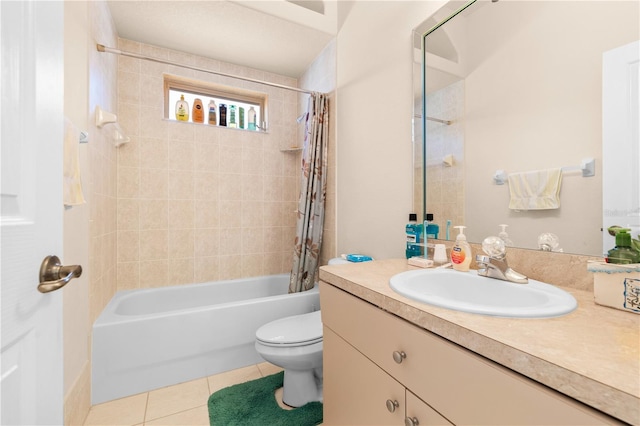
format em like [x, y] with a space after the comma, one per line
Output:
[374, 359]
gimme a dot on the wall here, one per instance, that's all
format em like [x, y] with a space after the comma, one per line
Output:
[89, 229]
[533, 134]
[445, 185]
[374, 119]
[321, 77]
[198, 203]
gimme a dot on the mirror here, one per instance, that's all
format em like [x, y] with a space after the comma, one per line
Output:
[516, 86]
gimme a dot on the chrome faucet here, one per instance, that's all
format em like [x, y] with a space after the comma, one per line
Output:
[494, 264]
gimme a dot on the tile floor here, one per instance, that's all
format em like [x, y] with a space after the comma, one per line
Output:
[182, 404]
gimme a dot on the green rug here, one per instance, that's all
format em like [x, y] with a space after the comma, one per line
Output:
[254, 403]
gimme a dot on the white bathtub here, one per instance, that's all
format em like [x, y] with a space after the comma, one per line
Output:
[151, 338]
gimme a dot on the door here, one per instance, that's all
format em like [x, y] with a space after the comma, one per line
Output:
[31, 119]
[621, 140]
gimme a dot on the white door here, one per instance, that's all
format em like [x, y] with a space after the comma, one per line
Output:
[31, 118]
[621, 140]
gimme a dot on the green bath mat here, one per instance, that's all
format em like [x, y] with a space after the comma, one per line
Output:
[254, 403]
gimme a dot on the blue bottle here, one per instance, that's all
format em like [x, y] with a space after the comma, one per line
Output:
[432, 229]
[413, 232]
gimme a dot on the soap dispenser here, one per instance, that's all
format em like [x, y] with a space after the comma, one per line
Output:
[461, 252]
[623, 253]
[504, 236]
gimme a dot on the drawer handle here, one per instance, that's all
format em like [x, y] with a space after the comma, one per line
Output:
[392, 405]
[398, 356]
[411, 421]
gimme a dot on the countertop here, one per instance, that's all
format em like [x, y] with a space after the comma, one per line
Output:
[591, 354]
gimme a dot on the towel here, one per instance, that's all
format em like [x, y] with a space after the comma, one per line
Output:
[537, 190]
[72, 186]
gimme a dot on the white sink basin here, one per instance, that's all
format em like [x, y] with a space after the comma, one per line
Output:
[468, 292]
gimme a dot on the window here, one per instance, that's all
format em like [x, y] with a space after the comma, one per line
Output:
[234, 107]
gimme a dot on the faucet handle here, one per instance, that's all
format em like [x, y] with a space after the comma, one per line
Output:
[494, 247]
[482, 259]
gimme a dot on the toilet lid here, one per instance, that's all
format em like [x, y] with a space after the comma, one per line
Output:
[301, 329]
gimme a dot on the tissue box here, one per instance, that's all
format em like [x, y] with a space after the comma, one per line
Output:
[617, 286]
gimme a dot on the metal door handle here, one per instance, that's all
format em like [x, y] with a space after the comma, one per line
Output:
[53, 275]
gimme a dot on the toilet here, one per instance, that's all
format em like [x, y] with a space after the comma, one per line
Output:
[295, 344]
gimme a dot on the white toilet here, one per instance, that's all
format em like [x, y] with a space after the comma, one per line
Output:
[295, 344]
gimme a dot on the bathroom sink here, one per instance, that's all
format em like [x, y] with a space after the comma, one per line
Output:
[469, 292]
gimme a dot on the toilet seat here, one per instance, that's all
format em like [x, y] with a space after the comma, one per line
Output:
[298, 330]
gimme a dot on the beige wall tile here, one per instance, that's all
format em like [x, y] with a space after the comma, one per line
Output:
[127, 214]
[181, 271]
[207, 185]
[230, 186]
[154, 273]
[182, 213]
[207, 269]
[207, 214]
[154, 153]
[128, 275]
[181, 184]
[181, 244]
[230, 241]
[153, 183]
[230, 267]
[128, 182]
[128, 247]
[207, 242]
[153, 244]
[181, 154]
[153, 214]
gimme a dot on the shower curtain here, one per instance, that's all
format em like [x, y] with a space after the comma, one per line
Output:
[313, 188]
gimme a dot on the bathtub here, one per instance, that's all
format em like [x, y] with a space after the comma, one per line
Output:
[151, 338]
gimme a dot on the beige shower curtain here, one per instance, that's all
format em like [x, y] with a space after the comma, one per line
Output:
[312, 195]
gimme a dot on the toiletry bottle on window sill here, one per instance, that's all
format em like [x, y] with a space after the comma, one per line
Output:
[197, 113]
[182, 109]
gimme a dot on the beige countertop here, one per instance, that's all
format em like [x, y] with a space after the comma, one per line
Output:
[591, 354]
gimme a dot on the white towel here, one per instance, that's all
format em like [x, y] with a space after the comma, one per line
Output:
[537, 190]
[72, 187]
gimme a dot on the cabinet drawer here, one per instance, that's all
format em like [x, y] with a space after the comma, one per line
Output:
[464, 387]
[356, 390]
[423, 413]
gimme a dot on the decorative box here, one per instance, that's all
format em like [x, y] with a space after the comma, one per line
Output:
[617, 286]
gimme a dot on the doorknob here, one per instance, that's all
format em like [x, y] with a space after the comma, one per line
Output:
[53, 275]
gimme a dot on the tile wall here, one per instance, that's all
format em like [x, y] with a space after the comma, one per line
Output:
[445, 185]
[199, 203]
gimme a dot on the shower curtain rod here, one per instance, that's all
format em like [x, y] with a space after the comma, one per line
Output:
[103, 48]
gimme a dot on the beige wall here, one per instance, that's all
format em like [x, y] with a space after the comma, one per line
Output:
[89, 229]
[374, 110]
[201, 203]
[532, 134]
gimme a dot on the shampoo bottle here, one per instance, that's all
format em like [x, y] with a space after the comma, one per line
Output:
[198, 111]
[182, 109]
[223, 115]
[252, 119]
[212, 113]
[461, 252]
[232, 116]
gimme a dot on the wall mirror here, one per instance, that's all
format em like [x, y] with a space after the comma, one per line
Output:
[517, 86]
